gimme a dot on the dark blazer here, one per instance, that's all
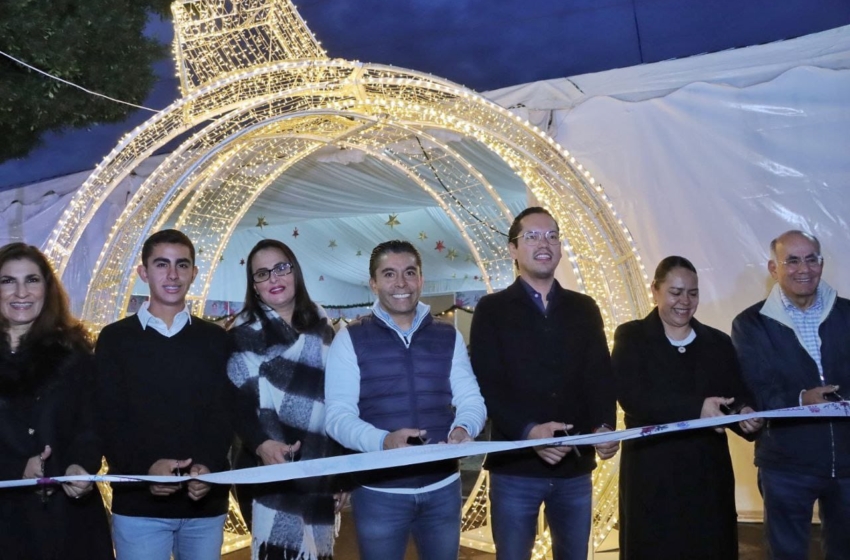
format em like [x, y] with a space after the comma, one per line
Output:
[534, 368]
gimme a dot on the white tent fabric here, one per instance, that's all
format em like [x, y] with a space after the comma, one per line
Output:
[339, 202]
[714, 155]
[737, 67]
[708, 157]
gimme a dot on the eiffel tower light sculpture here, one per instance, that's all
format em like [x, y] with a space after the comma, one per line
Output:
[260, 94]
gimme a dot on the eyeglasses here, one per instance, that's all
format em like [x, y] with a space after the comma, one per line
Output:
[280, 269]
[552, 237]
[811, 261]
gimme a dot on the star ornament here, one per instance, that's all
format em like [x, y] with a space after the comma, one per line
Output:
[423, 236]
[261, 221]
[451, 255]
[332, 244]
[440, 246]
[393, 221]
[295, 233]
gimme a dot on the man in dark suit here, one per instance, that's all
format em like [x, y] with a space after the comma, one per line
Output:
[541, 358]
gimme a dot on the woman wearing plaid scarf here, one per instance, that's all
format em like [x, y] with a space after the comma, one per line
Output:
[279, 344]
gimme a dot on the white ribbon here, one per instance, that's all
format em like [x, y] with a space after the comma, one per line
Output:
[428, 453]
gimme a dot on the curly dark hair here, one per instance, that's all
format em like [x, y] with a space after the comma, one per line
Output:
[54, 324]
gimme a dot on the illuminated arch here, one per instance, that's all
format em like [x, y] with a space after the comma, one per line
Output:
[259, 95]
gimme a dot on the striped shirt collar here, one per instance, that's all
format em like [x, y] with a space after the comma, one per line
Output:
[790, 308]
[806, 324]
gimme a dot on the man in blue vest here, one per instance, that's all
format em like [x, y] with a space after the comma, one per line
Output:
[392, 380]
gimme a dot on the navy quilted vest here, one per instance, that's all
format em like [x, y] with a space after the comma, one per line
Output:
[406, 387]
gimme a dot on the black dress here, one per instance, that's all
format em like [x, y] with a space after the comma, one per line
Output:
[677, 491]
[45, 400]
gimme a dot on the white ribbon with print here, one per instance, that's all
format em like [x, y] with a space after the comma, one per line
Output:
[428, 453]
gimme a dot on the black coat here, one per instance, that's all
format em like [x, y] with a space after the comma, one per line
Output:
[677, 490]
[45, 399]
[534, 368]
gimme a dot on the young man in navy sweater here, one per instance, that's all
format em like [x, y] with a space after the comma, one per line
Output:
[161, 397]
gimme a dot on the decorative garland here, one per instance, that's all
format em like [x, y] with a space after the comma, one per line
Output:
[227, 318]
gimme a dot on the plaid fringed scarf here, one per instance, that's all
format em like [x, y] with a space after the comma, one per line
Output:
[283, 372]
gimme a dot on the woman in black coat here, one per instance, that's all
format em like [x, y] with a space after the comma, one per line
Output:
[677, 490]
[45, 417]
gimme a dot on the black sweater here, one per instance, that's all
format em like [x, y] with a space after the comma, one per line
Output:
[163, 398]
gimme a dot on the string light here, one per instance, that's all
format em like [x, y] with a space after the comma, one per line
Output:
[260, 94]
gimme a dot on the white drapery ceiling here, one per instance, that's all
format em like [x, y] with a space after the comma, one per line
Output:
[708, 157]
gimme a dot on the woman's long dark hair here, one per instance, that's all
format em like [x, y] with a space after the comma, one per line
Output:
[55, 322]
[305, 316]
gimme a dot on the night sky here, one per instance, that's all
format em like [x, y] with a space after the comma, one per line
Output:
[484, 45]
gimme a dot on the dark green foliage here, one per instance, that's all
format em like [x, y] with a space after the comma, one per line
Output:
[97, 44]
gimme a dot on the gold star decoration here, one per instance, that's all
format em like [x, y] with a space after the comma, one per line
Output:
[468, 258]
[332, 244]
[423, 236]
[451, 255]
[359, 253]
[393, 221]
[261, 221]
